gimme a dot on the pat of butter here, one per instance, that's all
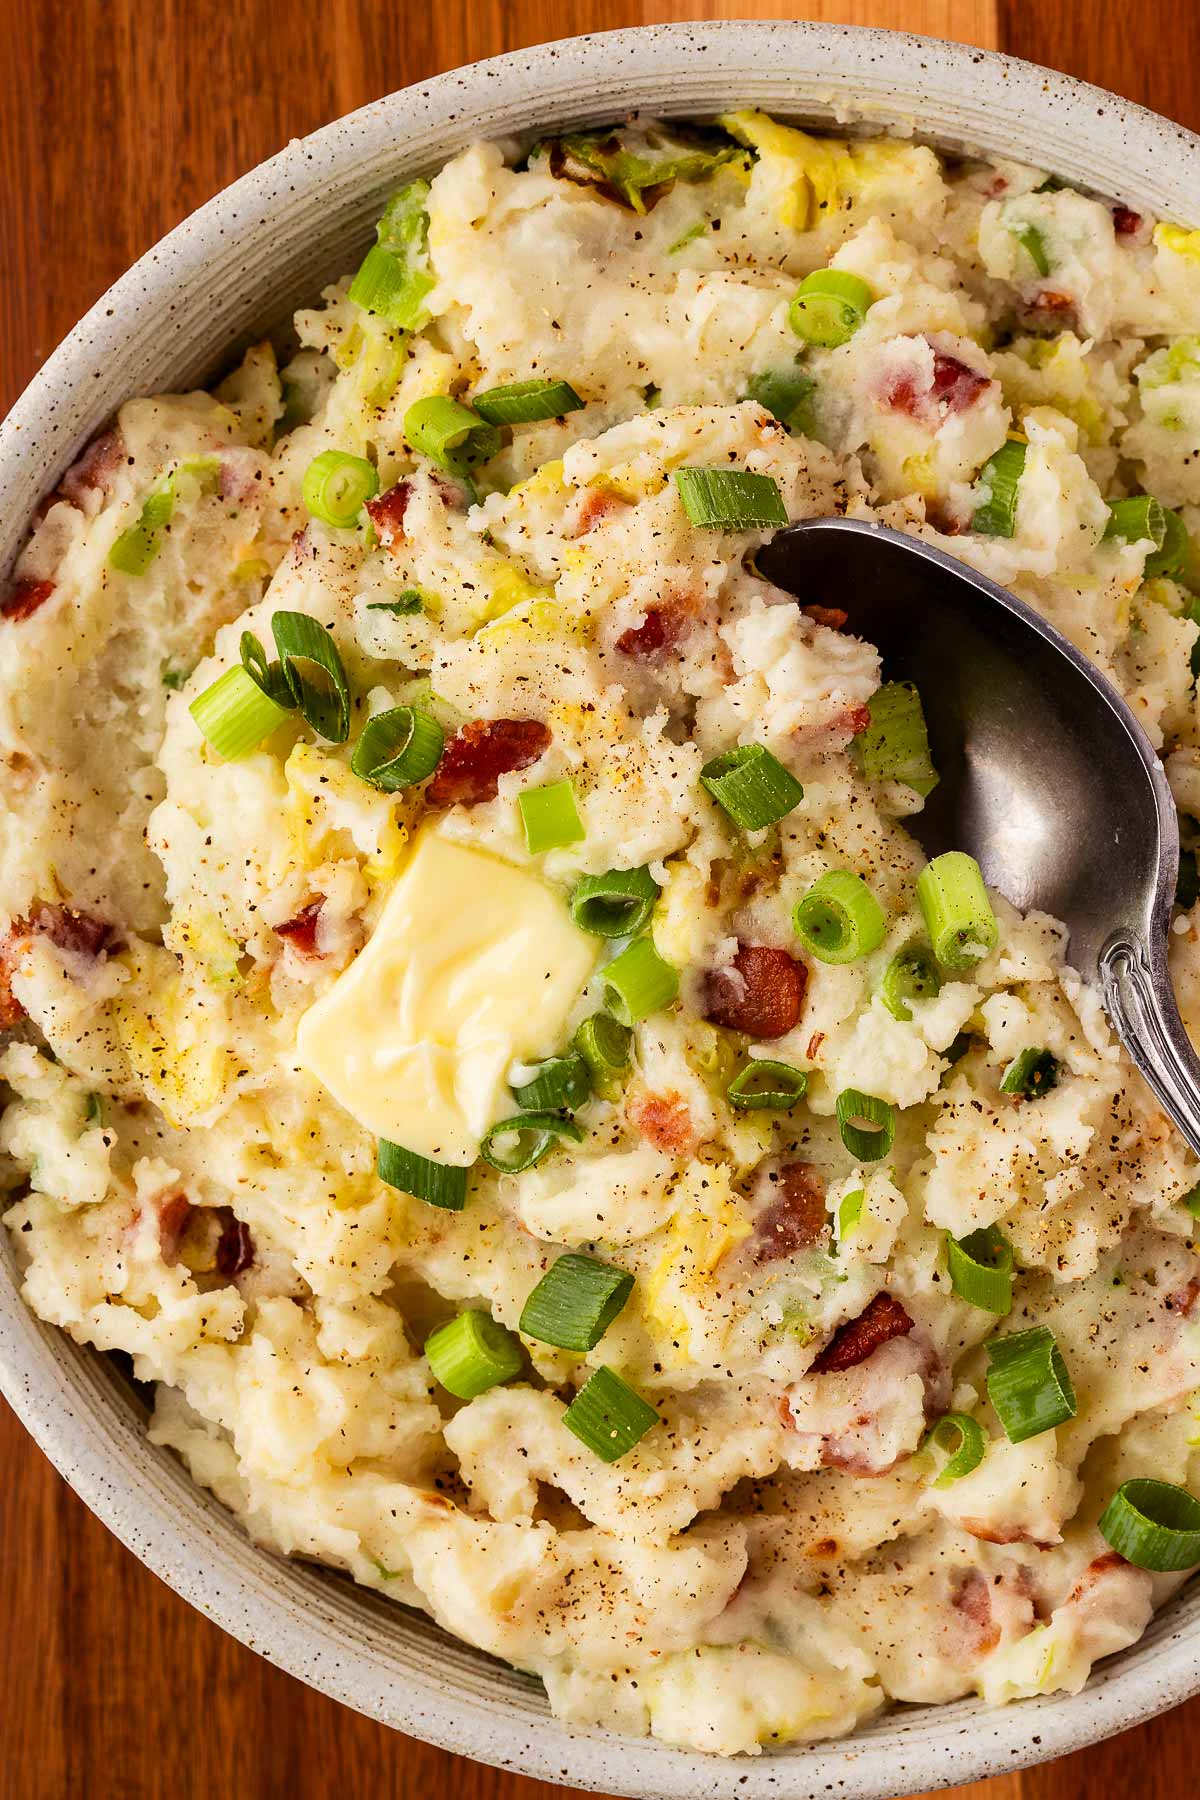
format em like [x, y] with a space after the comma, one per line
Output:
[473, 965]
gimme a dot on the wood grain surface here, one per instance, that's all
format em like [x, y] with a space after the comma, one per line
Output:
[117, 118]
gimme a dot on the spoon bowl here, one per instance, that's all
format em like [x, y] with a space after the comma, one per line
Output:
[1046, 777]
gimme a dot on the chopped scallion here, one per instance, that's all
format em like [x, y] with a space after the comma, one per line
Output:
[829, 307]
[996, 515]
[766, 1086]
[1033, 242]
[472, 1354]
[438, 1183]
[752, 786]
[608, 1416]
[235, 715]
[314, 673]
[849, 1213]
[638, 982]
[1154, 1525]
[963, 1437]
[397, 748]
[521, 402]
[866, 1123]
[1028, 1383]
[575, 1302]
[450, 433]
[1031, 1073]
[395, 279]
[839, 919]
[958, 914]
[787, 394]
[411, 601]
[912, 974]
[981, 1269]
[895, 745]
[730, 499]
[560, 1085]
[337, 486]
[529, 1136]
[604, 1044]
[616, 904]
[550, 817]
[1140, 519]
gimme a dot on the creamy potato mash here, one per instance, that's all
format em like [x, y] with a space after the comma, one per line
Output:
[278, 894]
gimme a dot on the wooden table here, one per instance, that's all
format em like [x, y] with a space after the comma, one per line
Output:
[116, 119]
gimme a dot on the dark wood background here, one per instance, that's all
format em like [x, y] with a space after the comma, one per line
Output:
[117, 117]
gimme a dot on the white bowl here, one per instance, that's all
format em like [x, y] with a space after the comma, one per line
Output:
[239, 267]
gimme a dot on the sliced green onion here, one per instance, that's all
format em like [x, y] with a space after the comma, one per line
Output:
[314, 673]
[638, 982]
[958, 914]
[1031, 1073]
[996, 515]
[839, 919]
[521, 402]
[963, 1436]
[895, 745]
[472, 1354]
[766, 1086]
[397, 748]
[449, 432]
[1033, 242]
[337, 486]
[867, 1124]
[268, 675]
[411, 601]
[438, 1183]
[235, 715]
[1154, 1525]
[752, 786]
[912, 974]
[787, 394]
[136, 548]
[981, 1269]
[608, 1417]
[550, 817]
[850, 1211]
[604, 1044]
[1137, 520]
[730, 499]
[1192, 1202]
[1174, 553]
[533, 1135]
[575, 1302]
[395, 278]
[688, 237]
[560, 1085]
[829, 307]
[1028, 1383]
[616, 904]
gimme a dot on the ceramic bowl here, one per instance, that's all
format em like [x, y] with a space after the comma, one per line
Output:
[238, 268]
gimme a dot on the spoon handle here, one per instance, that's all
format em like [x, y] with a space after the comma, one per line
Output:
[1140, 1001]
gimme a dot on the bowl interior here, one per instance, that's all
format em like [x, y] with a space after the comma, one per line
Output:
[237, 270]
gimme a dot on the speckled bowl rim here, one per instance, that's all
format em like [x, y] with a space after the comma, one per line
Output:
[238, 266]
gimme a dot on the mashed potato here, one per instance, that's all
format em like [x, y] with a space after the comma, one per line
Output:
[228, 977]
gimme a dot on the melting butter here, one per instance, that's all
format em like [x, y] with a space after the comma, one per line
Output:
[473, 965]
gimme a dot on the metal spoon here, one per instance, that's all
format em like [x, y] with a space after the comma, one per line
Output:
[1047, 779]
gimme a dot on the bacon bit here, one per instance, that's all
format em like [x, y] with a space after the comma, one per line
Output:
[78, 933]
[1049, 309]
[762, 993]
[386, 512]
[999, 1534]
[955, 384]
[996, 186]
[814, 1044]
[859, 1338]
[599, 504]
[301, 931]
[854, 719]
[235, 1247]
[664, 1119]
[1184, 1299]
[478, 755]
[832, 616]
[11, 1010]
[662, 629]
[950, 524]
[1126, 221]
[971, 1597]
[1097, 1569]
[174, 1212]
[24, 598]
[92, 472]
[786, 1416]
[796, 1218]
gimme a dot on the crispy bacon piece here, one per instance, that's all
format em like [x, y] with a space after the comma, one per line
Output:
[386, 512]
[599, 504]
[1184, 1299]
[92, 471]
[795, 1218]
[301, 931]
[11, 1010]
[833, 616]
[859, 1338]
[235, 1247]
[956, 383]
[174, 1212]
[24, 598]
[761, 993]
[664, 1119]
[1048, 310]
[999, 1534]
[1097, 1569]
[79, 933]
[1125, 221]
[663, 629]
[971, 1598]
[478, 755]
